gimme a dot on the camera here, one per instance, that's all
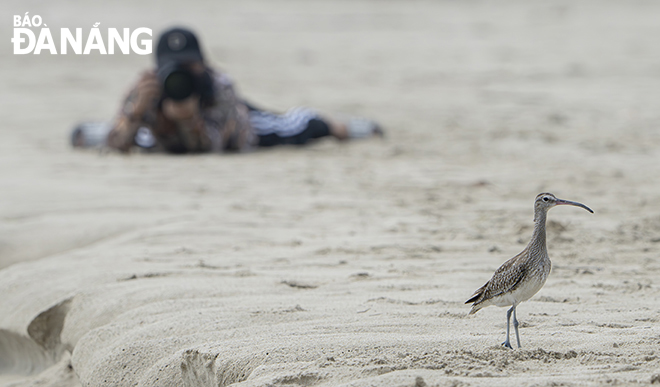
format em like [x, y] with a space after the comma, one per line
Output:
[178, 82]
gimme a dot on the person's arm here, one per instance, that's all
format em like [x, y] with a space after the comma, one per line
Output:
[140, 99]
[238, 133]
[231, 116]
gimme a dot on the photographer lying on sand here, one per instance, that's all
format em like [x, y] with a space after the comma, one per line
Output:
[185, 106]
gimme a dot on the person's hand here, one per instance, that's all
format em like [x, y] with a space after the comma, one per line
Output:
[148, 91]
[181, 110]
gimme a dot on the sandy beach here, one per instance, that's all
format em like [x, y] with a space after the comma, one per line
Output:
[340, 264]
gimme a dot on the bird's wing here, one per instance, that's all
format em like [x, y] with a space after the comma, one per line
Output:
[506, 278]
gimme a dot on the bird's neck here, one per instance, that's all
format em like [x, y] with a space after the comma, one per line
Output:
[538, 236]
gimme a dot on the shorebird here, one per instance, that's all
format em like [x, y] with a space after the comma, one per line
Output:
[519, 278]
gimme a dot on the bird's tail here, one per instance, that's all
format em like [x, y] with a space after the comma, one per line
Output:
[476, 300]
[475, 308]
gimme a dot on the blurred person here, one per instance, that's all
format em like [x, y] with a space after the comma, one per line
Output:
[183, 106]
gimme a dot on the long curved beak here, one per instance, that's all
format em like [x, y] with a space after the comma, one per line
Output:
[570, 203]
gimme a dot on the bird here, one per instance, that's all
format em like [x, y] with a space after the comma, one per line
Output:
[522, 276]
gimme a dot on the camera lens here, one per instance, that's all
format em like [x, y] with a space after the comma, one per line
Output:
[179, 85]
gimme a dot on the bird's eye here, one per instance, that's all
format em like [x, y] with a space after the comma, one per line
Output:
[545, 199]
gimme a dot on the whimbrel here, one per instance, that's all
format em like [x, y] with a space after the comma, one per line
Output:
[519, 278]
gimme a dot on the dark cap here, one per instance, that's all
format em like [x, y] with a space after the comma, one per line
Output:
[178, 45]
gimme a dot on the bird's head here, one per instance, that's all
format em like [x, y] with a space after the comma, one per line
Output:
[545, 201]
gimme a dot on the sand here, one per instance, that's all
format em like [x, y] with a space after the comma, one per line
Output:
[341, 264]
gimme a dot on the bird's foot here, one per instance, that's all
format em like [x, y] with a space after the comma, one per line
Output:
[507, 344]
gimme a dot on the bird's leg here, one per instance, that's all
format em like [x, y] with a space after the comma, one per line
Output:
[515, 325]
[506, 342]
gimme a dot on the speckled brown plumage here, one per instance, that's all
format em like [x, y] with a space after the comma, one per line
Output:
[522, 276]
